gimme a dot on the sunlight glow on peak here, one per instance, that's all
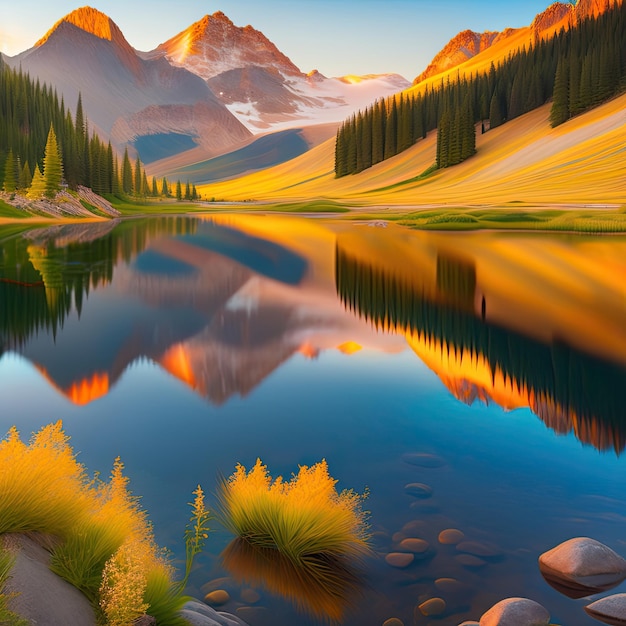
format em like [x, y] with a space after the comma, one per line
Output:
[349, 347]
[183, 48]
[176, 361]
[88, 19]
[309, 350]
[83, 391]
[89, 389]
[352, 79]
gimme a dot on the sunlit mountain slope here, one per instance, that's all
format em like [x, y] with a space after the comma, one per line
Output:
[470, 52]
[525, 160]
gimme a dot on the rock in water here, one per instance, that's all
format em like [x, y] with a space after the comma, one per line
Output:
[418, 490]
[516, 612]
[582, 566]
[199, 614]
[610, 610]
[478, 548]
[399, 559]
[417, 546]
[423, 459]
[451, 536]
[433, 607]
[217, 597]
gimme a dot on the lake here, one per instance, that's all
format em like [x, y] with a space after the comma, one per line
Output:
[487, 368]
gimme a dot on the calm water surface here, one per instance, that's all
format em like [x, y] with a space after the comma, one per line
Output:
[187, 346]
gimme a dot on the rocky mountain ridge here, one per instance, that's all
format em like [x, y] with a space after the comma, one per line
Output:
[468, 44]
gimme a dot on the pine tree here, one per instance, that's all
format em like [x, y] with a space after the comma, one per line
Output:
[155, 191]
[378, 132]
[10, 179]
[559, 112]
[138, 178]
[52, 165]
[443, 140]
[38, 186]
[179, 191]
[127, 174]
[187, 191]
[495, 111]
[391, 131]
[27, 177]
[165, 191]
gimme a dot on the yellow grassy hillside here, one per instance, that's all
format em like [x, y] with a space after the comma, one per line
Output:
[579, 162]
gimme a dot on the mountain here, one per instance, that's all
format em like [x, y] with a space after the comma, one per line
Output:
[260, 85]
[126, 96]
[214, 45]
[489, 46]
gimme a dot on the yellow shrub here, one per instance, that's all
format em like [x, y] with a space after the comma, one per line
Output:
[299, 538]
[42, 486]
[301, 517]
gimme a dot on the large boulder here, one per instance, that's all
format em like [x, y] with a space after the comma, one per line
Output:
[200, 614]
[610, 610]
[581, 567]
[516, 612]
[41, 596]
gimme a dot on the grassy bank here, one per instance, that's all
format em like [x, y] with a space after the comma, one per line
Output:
[104, 544]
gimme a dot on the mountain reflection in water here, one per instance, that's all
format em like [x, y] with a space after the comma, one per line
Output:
[444, 311]
[222, 303]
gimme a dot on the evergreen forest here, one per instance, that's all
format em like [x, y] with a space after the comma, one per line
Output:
[44, 147]
[577, 69]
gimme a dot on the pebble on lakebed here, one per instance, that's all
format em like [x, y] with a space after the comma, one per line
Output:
[418, 490]
[451, 536]
[399, 559]
[433, 607]
[411, 544]
[217, 597]
[423, 459]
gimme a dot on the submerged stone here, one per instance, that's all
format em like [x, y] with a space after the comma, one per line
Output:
[432, 607]
[399, 559]
[452, 586]
[418, 490]
[423, 459]
[393, 621]
[516, 612]
[478, 548]
[451, 536]
[217, 597]
[418, 546]
[469, 560]
[250, 596]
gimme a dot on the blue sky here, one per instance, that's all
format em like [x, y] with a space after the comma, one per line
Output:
[337, 37]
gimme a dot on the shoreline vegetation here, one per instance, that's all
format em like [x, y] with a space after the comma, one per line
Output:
[589, 218]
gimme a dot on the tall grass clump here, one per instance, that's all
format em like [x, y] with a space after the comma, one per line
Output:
[115, 519]
[303, 517]
[300, 538]
[104, 543]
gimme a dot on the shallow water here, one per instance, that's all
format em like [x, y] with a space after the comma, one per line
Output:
[186, 346]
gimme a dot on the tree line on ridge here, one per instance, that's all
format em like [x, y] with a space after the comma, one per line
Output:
[578, 69]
